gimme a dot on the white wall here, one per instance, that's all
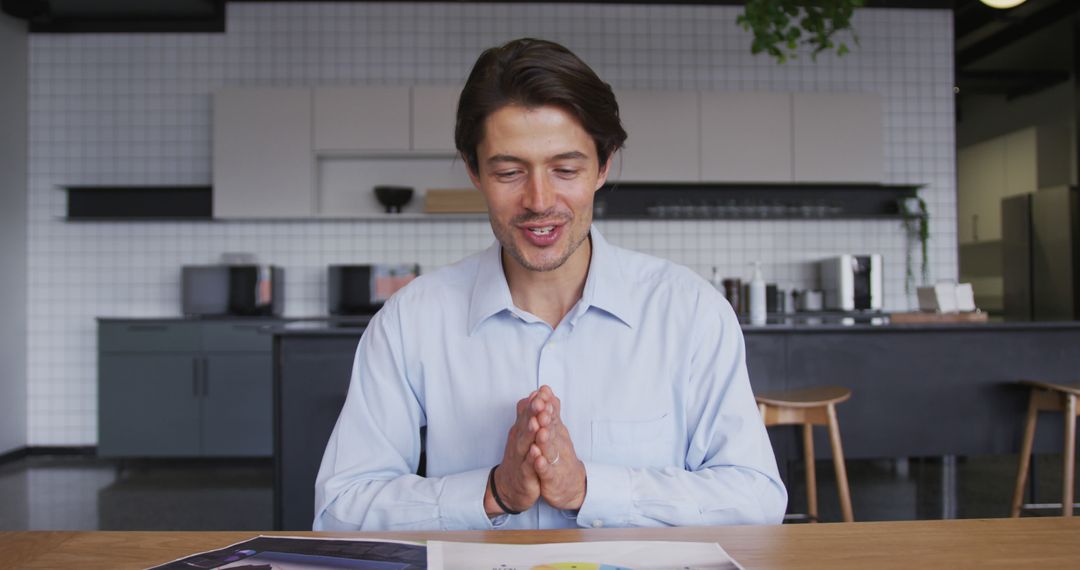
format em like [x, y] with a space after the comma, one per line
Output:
[135, 109]
[13, 148]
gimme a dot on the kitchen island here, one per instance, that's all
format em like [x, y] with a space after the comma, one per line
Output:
[918, 390]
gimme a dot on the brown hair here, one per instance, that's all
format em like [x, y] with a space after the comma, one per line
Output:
[534, 73]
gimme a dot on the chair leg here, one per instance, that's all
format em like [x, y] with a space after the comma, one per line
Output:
[811, 476]
[838, 463]
[1070, 456]
[1025, 455]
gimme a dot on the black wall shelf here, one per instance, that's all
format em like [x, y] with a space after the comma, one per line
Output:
[99, 203]
[661, 201]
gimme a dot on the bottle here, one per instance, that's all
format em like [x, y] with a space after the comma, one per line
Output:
[716, 281]
[757, 296]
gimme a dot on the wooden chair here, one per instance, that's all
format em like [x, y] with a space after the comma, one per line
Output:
[809, 407]
[1049, 397]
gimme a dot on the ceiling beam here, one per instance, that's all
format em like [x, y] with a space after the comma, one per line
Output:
[1019, 30]
[1009, 82]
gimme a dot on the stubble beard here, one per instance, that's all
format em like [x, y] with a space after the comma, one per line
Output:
[506, 237]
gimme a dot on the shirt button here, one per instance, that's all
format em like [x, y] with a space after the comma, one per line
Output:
[597, 523]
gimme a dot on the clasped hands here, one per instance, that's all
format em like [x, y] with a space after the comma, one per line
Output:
[539, 460]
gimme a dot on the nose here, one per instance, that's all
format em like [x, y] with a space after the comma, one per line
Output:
[539, 195]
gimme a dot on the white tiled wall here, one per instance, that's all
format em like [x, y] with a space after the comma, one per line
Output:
[135, 109]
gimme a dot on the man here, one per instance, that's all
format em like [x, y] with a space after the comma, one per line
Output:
[563, 381]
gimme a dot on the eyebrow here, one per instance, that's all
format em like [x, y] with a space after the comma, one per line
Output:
[571, 155]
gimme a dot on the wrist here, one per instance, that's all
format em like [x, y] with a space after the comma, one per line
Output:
[499, 503]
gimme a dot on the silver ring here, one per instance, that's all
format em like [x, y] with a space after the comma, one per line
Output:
[557, 458]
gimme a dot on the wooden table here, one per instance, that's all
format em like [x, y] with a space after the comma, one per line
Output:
[984, 543]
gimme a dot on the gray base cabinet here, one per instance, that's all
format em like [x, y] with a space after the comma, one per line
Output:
[148, 405]
[184, 389]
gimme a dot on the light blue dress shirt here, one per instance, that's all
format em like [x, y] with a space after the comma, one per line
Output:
[651, 371]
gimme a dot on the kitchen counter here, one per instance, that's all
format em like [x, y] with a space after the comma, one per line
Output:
[337, 326]
[881, 324]
[917, 389]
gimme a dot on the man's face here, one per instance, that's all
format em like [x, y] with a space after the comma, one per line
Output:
[538, 171]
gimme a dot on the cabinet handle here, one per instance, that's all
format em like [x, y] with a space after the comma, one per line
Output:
[206, 376]
[195, 377]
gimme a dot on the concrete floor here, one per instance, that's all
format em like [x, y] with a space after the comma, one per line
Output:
[86, 493]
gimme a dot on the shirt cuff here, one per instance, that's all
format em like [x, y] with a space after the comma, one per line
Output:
[607, 496]
[461, 503]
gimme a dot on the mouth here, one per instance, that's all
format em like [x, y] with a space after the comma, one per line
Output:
[542, 234]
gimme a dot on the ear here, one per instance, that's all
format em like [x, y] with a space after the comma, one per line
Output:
[601, 177]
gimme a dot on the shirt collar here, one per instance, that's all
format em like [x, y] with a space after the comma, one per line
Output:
[605, 286]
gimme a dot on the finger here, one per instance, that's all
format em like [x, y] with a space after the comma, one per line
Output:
[540, 464]
[551, 400]
[538, 403]
[545, 418]
[543, 436]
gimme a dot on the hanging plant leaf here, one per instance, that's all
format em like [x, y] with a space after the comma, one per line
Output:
[916, 218]
[779, 26]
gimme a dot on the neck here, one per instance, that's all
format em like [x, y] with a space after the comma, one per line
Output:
[549, 294]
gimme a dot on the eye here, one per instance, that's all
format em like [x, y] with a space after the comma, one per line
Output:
[566, 172]
[505, 175]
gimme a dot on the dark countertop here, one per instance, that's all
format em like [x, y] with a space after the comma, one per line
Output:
[791, 323]
[827, 327]
[361, 319]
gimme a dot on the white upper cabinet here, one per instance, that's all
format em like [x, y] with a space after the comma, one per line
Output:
[837, 137]
[364, 119]
[434, 110]
[662, 143]
[263, 167]
[746, 137]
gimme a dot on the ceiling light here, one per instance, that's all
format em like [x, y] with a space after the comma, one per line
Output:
[1002, 4]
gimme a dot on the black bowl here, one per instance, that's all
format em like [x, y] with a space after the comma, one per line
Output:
[393, 197]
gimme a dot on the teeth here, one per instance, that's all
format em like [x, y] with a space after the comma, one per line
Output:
[542, 231]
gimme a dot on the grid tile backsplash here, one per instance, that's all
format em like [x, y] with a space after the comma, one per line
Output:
[135, 109]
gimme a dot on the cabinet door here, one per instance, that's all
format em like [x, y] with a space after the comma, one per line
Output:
[663, 137]
[361, 119]
[148, 405]
[434, 111]
[981, 179]
[837, 137]
[237, 414]
[263, 165]
[746, 137]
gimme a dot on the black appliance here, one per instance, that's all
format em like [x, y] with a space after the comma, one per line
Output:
[233, 290]
[362, 289]
[1040, 244]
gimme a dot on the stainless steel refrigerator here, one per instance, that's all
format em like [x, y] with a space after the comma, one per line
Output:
[1040, 235]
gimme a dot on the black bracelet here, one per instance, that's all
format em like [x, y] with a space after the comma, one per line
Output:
[495, 494]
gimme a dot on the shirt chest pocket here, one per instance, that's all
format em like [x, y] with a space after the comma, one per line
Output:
[636, 443]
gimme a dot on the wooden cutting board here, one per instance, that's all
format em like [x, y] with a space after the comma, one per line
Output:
[454, 201]
[927, 317]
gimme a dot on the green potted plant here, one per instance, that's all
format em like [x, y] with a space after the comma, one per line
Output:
[780, 26]
[916, 220]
